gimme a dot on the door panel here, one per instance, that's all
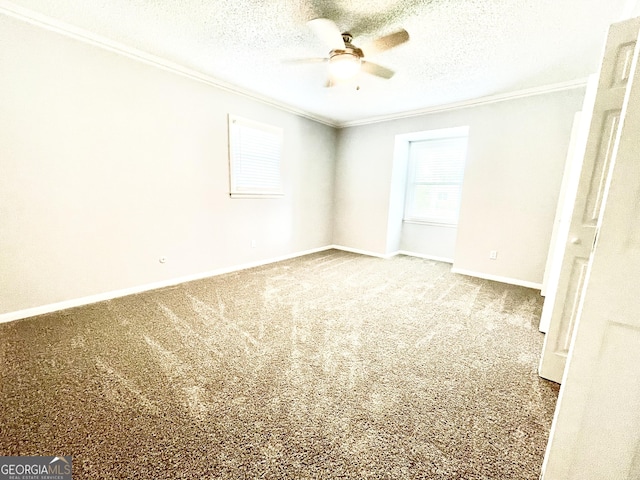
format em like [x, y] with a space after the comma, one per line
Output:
[623, 65]
[576, 282]
[600, 168]
[595, 434]
[611, 393]
[573, 163]
[561, 307]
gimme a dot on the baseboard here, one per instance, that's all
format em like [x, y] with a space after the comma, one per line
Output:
[100, 297]
[427, 257]
[496, 278]
[364, 252]
[392, 254]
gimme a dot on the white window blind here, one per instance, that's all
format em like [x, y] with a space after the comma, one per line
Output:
[434, 183]
[254, 158]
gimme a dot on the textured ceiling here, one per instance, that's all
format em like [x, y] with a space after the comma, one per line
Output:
[459, 49]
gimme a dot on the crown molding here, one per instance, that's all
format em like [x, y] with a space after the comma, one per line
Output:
[475, 102]
[62, 28]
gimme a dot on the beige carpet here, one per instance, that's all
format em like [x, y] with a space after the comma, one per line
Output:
[332, 365]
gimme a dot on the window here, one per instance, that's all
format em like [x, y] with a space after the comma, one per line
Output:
[434, 176]
[254, 158]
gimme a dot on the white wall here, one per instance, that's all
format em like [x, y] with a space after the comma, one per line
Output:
[434, 241]
[107, 164]
[362, 188]
[515, 160]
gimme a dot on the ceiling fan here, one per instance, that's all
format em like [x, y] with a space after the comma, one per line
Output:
[345, 60]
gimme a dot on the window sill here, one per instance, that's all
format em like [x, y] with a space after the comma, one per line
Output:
[256, 195]
[428, 223]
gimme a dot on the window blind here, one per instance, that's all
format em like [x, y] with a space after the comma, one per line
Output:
[434, 183]
[254, 158]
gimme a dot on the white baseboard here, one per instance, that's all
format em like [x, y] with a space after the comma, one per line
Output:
[364, 252]
[427, 257]
[496, 278]
[78, 302]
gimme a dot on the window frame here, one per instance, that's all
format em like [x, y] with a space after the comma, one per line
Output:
[240, 189]
[440, 134]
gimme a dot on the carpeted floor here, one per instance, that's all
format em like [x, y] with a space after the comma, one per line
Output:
[328, 366]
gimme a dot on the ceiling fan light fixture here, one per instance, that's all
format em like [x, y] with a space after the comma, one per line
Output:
[344, 65]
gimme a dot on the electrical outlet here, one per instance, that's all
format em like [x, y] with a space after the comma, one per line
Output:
[493, 254]
[253, 243]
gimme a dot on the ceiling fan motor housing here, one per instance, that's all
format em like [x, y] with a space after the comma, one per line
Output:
[349, 48]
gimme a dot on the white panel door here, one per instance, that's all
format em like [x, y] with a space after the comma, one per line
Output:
[556, 246]
[562, 306]
[595, 434]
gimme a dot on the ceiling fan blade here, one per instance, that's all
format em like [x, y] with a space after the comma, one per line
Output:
[386, 43]
[377, 70]
[328, 32]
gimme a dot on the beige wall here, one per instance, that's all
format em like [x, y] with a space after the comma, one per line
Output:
[107, 164]
[517, 152]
